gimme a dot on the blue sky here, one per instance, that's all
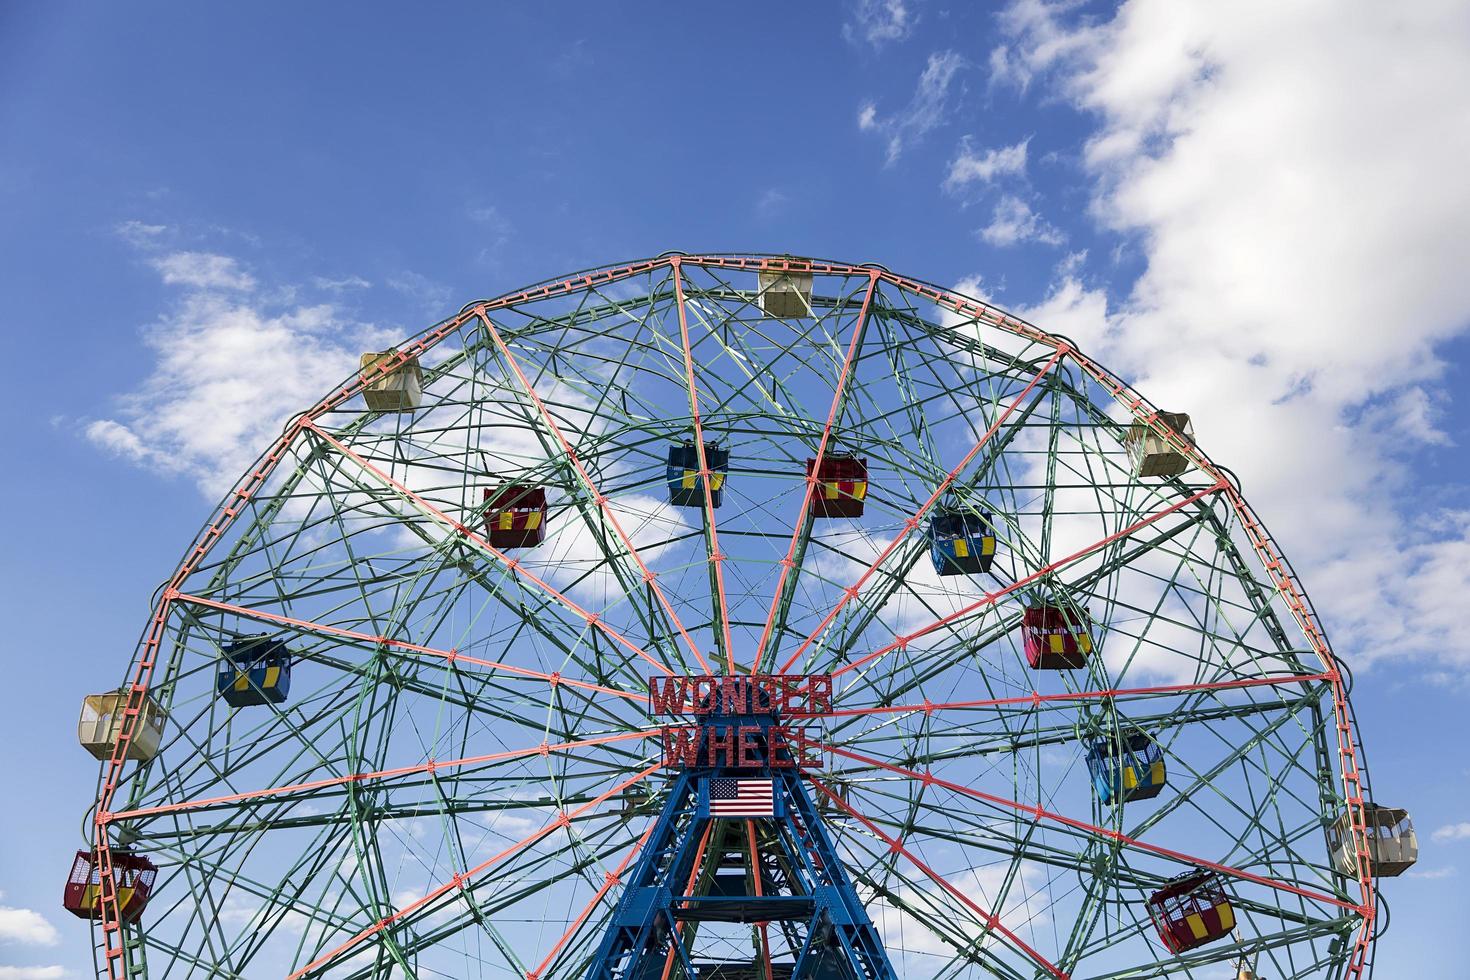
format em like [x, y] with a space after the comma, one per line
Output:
[1259, 215]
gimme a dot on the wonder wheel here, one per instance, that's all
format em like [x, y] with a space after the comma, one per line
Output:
[732, 616]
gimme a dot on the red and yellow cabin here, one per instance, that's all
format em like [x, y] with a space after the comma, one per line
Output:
[515, 516]
[1056, 637]
[1191, 910]
[842, 485]
[133, 875]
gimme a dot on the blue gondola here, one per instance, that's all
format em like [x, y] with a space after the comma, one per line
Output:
[1127, 769]
[961, 542]
[254, 670]
[685, 488]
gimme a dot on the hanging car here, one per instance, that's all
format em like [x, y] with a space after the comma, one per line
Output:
[101, 725]
[1393, 846]
[254, 670]
[1154, 455]
[1056, 637]
[842, 485]
[132, 874]
[1191, 910]
[961, 542]
[1126, 769]
[515, 516]
[786, 292]
[685, 487]
[398, 389]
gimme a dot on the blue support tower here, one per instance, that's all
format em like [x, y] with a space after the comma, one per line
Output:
[790, 876]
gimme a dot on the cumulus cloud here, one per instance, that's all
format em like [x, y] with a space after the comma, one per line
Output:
[202, 270]
[1013, 222]
[878, 22]
[925, 112]
[32, 973]
[976, 167]
[27, 927]
[1450, 832]
[228, 372]
[1300, 276]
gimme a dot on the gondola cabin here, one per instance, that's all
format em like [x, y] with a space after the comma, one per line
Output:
[1151, 453]
[390, 385]
[132, 874]
[101, 725]
[786, 293]
[515, 516]
[686, 489]
[1191, 910]
[1056, 638]
[254, 670]
[842, 485]
[1392, 844]
[961, 542]
[1126, 769]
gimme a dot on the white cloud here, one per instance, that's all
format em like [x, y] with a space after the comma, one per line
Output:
[1300, 276]
[925, 112]
[25, 926]
[1013, 222]
[429, 293]
[227, 375]
[340, 285]
[139, 234]
[1433, 874]
[972, 167]
[771, 202]
[32, 973]
[1449, 832]
[202, 270]
[879, 22]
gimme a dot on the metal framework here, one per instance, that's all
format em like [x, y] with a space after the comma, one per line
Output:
[466, 779]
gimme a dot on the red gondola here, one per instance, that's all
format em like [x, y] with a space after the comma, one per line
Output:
[1191, 910]
[131, 873]
[842, 485]
[1056, 638]
[515, 516]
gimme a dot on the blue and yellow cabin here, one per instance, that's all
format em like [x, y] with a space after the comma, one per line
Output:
[254, 670]
[1126, 769]
[961, 542]
[685, 487]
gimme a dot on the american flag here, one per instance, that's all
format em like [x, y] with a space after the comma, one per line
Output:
[742, 797]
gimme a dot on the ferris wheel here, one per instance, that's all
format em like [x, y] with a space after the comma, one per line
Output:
[733, 616]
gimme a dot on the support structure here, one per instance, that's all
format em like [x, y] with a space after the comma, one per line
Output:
[770, 862]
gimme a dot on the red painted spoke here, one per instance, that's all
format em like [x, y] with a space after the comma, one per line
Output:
[431, 766]
[452, 656]
[1039, 813]
[788, 563]
[612, 878]
[591, 619]
[709, 827]
[992, 597]
[1037, 698]
[991, 920]
[563, 819]
[918, 515]
[716, 557]
[598, 497]
[755, 871]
